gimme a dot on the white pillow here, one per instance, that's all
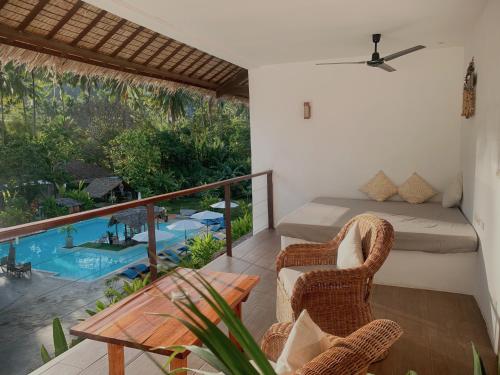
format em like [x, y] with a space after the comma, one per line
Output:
[453, 193]
[350, 252]
[305, 342]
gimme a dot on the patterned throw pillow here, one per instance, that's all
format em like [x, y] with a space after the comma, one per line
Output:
[416, 190]
[379, 188]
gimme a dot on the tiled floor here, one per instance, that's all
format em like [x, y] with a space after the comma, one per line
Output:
[438, 326]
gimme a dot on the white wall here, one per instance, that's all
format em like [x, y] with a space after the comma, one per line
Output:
[480, 160]
[363, 120]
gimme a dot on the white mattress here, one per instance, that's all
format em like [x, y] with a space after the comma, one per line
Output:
[418, 227]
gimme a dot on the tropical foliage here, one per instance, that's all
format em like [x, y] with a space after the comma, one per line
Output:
[219, 351]
[60, 343]
[202, 248]
[157, 141]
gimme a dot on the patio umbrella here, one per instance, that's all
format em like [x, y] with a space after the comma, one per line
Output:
[185, 225]
[206, 216]
[222, 204]
[160, 235]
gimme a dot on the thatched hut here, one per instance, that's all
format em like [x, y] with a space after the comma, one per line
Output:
[105, 187]
[134, 218]
[71, 204]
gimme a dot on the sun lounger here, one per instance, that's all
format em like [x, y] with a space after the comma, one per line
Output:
[169, 254]
[130, 273]
[185, 212]
[183, 250]
[141, 268]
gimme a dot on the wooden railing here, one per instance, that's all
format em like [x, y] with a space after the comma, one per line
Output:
[11, 233]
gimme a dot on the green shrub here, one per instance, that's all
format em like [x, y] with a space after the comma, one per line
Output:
[16, 210]
[203, 249]
[81, 196]
[242, 225]
[51, 209]
[207, 199]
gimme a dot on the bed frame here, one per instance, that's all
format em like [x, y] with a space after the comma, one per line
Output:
[452, 272]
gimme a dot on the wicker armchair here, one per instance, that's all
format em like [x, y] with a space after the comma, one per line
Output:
[338, 300]
[350, 355]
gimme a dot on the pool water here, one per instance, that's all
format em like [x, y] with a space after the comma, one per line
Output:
[46, 251]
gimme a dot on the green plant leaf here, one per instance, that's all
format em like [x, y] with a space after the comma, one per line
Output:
[44, 354]
[477, 362]
[60, 343]
[90, 312]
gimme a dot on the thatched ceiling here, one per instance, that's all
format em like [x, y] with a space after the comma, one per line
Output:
[70, 35]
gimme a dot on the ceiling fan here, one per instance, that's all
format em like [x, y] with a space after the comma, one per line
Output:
[377, 61]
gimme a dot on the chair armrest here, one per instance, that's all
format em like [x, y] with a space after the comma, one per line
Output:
[307, 254]
[352, 280]
[274, 340]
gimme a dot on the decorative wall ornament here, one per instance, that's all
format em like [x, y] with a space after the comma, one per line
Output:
[469, 101]
[307, 110]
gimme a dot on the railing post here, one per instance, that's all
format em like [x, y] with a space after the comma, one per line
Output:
[152, 241]
[227, 218]
[270, 201]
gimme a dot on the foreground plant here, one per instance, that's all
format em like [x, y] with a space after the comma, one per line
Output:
[219, 351]
[477, 363]
[60, 343]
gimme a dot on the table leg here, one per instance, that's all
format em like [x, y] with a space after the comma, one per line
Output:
[179, 363]
[116, 359]
[238, 312]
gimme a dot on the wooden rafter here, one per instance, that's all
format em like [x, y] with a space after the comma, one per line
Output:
[31, 16]
[209, 58]
[155, 57]
[89, 27]
[51, 47]
[233, 84]
[158, 51]
[65, 19]
[111, 32]
[174, 52]
[2, 3]
[127, 41]
[209, 71]
[143, 46]
[220, 78]
[182, 59]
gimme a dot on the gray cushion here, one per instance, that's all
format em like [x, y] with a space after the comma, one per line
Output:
[424, 227]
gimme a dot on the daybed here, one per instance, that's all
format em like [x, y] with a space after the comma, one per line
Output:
[434, 248]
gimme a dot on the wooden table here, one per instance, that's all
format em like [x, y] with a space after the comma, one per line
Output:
[130, 323]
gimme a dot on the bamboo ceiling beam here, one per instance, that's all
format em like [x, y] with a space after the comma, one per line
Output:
[182, 59]
[143, 46]
[38, 43]
[2, 3]
[174, 52]
[215, 66]
[233, 84]
[158, 51]
[127, 41]
[219, 78]
[210, 58]
[32, 14]
[89, 27]
[65, 19]
[111, 32]
[193, 63]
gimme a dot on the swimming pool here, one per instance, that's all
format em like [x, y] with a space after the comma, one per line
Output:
[46, 251]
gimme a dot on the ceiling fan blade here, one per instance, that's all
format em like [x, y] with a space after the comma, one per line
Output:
[402, 53]
[340, 63]
[386, 67]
